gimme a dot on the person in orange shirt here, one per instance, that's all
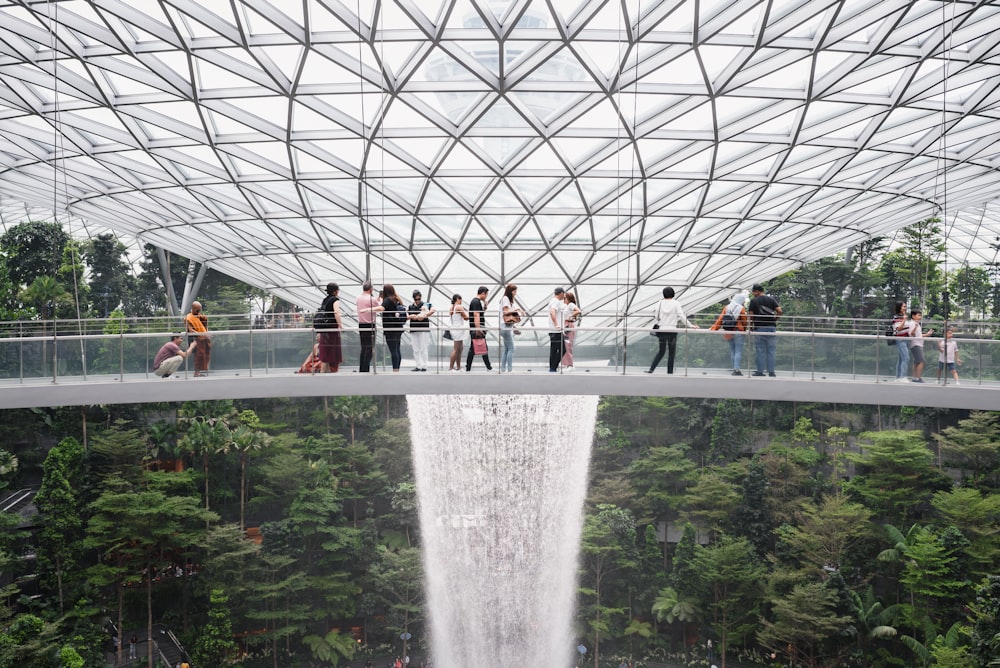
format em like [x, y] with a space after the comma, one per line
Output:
[734, 328]
[197, 326]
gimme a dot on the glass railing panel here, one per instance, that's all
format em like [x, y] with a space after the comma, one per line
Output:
[814, 354]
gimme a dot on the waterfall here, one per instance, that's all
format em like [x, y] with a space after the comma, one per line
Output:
[501, 482]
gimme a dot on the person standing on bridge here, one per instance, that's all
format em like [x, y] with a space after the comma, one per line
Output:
[477, 328]
[764, 312]
[901, 328]
[733, 323]
[330, 352]
[419, 315]
[916, 340]
[393, 318]
[571, 316]
[196, 323]
[557, 306]
[509, 317]
[366, 304]
[457, 315]
[669, 316]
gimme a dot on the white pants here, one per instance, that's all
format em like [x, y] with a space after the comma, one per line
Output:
[168, 366]
[420, 341]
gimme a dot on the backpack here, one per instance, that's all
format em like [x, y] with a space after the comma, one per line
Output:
[324, 318]
[729, 321]
[401, 312]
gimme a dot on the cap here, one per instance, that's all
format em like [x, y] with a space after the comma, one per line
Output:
[482, 289]
[757, 287]
[559, 291]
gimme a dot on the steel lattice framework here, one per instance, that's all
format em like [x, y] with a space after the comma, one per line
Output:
[614, 147]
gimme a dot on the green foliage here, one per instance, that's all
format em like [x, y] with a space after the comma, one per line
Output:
[70, 658]
[33, 249]
[729, 431]
[986, 622]
[731, 576]
[111, 279]
[60, 539]
[803, 619]
[215, 645]
[824, 533]
[972, 446]
[895, 477]
[338, 523]
[752, 518]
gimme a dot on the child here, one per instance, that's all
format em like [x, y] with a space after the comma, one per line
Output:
[916, 341]
[948, 355]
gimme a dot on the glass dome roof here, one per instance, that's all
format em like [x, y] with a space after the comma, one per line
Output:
[609, 147]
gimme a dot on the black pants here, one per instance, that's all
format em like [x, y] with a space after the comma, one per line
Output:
[667, 340]
[367, 333]
[555, 350]
[471, 355]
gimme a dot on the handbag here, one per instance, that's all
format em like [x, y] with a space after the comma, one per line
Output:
[479, 346]
[655, 327]
[447, 335]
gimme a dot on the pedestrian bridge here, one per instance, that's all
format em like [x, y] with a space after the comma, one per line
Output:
[64, 368]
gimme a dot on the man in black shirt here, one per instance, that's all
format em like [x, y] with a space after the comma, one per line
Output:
[764, 313]
[477, 327]
[418, 313]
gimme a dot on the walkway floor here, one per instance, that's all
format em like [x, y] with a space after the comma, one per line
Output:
[603, 380]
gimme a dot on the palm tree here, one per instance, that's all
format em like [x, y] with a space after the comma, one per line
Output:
[163, 440]
[8, 464]
[352, 410]
[206, 437]
[671, 606]
[246, 439]
[43, 293]
[872, 618]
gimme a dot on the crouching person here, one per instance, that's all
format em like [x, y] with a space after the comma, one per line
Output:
[170, 356]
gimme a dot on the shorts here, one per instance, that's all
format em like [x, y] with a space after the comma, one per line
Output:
[917, 354]
[951, 366]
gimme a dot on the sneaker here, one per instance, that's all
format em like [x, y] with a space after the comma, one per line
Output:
[956, 383]
[417, 369]
[773, 375]
[568, 369]
[650, 371]
[737, 372]
[553, 370]
[903, 380]
[758, 373]
[918, 380]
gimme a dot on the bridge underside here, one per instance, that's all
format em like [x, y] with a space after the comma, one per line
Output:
[823, 389]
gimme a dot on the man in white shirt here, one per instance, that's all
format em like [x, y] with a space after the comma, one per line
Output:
[556, 306]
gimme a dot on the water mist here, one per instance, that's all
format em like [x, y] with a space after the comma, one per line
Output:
[501, 482]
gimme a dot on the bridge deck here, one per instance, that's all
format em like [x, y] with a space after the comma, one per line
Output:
[701, 383]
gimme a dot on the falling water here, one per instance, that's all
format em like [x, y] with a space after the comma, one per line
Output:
[501, 482]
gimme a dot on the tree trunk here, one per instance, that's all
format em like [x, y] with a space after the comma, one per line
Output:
[243, 490]
[149, 615]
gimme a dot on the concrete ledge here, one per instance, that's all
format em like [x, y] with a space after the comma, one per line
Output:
[278, 383]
